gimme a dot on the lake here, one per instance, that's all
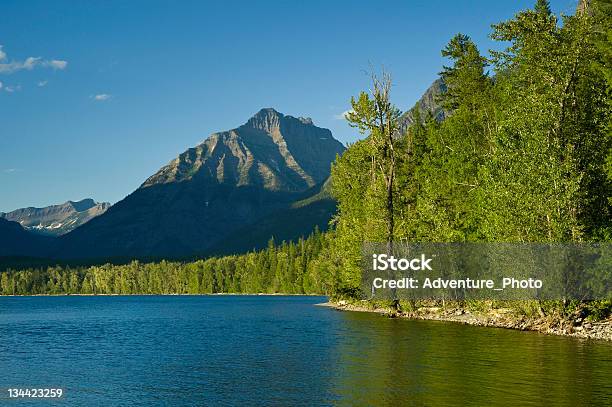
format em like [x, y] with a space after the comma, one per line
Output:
[281, 350]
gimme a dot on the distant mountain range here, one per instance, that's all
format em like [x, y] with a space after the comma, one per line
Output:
[229, 194]
[56, 220]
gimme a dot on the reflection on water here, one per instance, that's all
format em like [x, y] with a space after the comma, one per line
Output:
[250, 350]
[394, 362]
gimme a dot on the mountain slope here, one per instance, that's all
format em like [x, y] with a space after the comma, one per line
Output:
[299, 219]
[57, 220]
[428, 104]
[229, 181]
[16, 241]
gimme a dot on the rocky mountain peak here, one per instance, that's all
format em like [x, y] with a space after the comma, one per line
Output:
[275, 151]
[82, 205]
[267, 119]
[306, 120]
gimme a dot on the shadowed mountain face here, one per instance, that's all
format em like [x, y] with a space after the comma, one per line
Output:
[16, 241]
[57, 220]
[230, 181]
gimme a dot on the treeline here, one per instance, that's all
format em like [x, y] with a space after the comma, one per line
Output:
[284, 268]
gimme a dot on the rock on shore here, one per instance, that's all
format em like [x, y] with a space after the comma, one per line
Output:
[498, 318]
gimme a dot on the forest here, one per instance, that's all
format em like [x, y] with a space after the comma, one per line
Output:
[524, 155]
[282, 268]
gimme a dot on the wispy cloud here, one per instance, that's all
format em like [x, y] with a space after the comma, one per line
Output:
[42, 84]
[8, 67]
[9, 88]
[343, 115]
[101, 97]
[56, 64]
[12, 88]
[11, 170]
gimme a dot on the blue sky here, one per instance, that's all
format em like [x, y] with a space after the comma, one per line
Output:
[96, 96]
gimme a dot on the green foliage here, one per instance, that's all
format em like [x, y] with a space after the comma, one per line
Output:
[599, 310]
[524, 156]
[466, 80]
[542, 7]
[287, 268]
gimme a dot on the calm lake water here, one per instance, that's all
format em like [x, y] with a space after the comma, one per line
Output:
[254, 350]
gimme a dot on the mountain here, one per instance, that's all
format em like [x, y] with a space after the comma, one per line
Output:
[57, 220]
[236, 181]
[299, 219]
[428, 104]
[16, 241]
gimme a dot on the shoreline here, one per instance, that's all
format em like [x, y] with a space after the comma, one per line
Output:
[501, 318]
[168, 295]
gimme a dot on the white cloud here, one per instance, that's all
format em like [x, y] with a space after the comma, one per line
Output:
[11, 170]
[41, 84]
[30, 63]
[343, 115]
[9, 88]
[11, 67]
[8, 67]
[12, 88]
[101, 97]
[57, 64]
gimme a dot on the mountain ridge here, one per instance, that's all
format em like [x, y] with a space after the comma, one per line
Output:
[428, 105]
[56, 220]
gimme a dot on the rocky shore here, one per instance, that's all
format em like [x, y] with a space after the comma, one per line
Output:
[498, 318]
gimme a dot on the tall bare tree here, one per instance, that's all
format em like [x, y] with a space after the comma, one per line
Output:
[375, 116]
